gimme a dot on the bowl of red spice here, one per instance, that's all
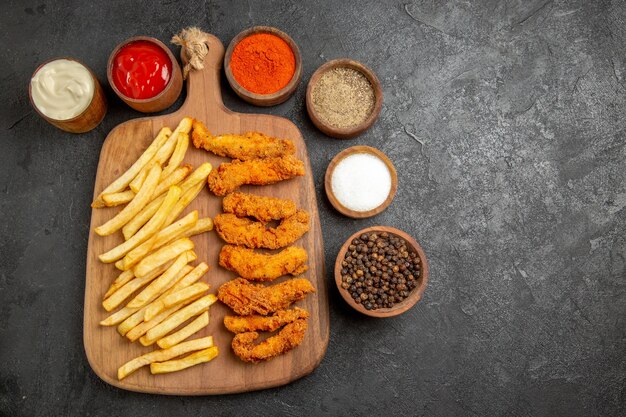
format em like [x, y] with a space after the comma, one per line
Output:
[381, 271]
[263, 65]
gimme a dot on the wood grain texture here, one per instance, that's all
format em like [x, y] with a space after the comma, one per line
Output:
[106, 349]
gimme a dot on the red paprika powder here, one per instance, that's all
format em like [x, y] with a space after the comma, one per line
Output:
[263, 63]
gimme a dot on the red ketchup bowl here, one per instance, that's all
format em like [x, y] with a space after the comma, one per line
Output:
[144, 73]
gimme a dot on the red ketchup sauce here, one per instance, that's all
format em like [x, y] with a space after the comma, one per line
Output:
[141, 70]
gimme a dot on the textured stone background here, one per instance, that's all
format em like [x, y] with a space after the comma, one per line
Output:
[505, 120]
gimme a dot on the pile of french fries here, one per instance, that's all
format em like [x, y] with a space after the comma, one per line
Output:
[159, 287]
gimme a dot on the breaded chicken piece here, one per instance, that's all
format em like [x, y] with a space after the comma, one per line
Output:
[231, 175]
[263, 267]
[256, 235]
[262, 208]
[250, 145]
[288, 338]
[245, 298]
[255, 323]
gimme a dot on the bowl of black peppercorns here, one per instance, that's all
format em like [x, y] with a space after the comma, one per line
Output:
[381, 271]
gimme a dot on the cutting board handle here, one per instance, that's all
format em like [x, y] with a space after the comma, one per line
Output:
[203, 86]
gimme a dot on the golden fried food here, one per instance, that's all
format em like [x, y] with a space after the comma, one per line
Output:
[256, 235]
[262, 208]
[263, 267]
[245, 298]
[164, 355]
[175, 365]
[255, 323]
[288, 338]
[231, 175]
[250, 145]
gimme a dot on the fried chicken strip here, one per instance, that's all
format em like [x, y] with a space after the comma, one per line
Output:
[231, 175]
[250, 145]
[255, 235]
[262, 208]
[263, 267]
[288, 338]
[242, 324]
[245, 298]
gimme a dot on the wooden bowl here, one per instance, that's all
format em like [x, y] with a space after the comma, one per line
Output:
[165, 98]
[329, 189]
[344, 133]
[404, 305]
[264, 100]
[89, 118]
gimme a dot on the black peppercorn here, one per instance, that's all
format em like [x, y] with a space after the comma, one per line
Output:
[379, 270]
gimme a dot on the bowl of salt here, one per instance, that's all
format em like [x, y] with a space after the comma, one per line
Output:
[360, 182]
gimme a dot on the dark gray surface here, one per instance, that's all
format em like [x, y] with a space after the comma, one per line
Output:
[516, 192]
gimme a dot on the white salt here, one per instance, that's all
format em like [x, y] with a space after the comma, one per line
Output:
[361, 182]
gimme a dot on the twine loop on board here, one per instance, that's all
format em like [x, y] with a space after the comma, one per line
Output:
[194, 43]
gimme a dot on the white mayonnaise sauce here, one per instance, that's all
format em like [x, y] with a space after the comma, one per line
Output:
[62, 89]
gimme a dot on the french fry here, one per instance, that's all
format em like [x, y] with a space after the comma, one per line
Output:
[166, 235]
[118, 317]
[122, 182]
[173, 179]
[202, 225]
[163, 255]
[143, 327]
[190, 278]
[196, 358]
[164, 355]
[160, 284]
[183, 202]
[127, 317]
[174, 299]
[146, 231]
[159, 159]
[135, 323]
[137, 182]
[141, 199]
[142, 217]
[195, 326]
[122, 279]
[166, 150]
[179, 154]
[123, 197]
[131, 286]
[117, 199]
[176, 319]
[199, 175]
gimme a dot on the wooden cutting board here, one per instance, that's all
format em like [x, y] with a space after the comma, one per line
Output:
[106, 349]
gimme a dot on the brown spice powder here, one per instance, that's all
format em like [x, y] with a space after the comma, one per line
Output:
[343, 97]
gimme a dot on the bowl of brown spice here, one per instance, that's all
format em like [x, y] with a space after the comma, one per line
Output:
[344, 98]
[381, 271]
